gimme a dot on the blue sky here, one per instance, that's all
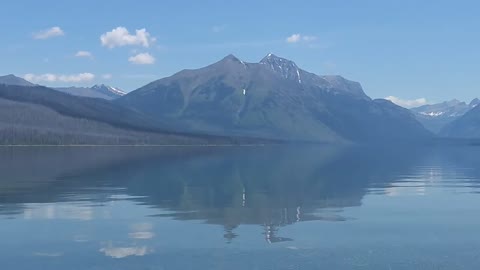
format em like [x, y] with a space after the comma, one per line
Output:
[407, 49]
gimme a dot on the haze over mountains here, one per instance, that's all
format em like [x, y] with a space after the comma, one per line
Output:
[273, 99]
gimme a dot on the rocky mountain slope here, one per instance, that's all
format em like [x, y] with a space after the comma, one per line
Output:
[272, 99]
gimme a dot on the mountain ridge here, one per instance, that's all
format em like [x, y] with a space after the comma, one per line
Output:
[467, 126]
[95, 91]
[42, 116]
[273, 98]
[11, 79]
[436, 116]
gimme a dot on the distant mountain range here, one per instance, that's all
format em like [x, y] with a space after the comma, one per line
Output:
[227, 101]
[96, 91]
[436, 116]
[272, 99]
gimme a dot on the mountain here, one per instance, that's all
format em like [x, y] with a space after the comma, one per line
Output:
[271, 99]
[474, 102]
[96, 91]
[14, 80]
[436, 116]
[465, 126]
[39, 115]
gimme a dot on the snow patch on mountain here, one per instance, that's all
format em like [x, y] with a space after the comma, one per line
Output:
[285, 68]
[107, 88]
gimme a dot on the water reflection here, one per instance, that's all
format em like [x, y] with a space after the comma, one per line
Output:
[122, 252]
[268, 186]
[283, 207]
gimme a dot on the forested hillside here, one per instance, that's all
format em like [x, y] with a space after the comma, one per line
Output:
[30, 124]
[42, 116]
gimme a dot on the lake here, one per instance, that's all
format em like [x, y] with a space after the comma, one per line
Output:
[270, 207]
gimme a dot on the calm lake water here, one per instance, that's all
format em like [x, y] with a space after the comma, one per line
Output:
[305, 207]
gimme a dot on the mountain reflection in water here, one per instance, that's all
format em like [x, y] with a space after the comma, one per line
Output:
[271, 207]
[268, 186]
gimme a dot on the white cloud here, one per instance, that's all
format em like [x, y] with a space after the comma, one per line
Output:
[107, 76]
[295, 38]
[84, 54]
[120, 36]
[407, 103]
[49, 33]
[142, 59]
[219, 28]
[39, 78]
[49, 77]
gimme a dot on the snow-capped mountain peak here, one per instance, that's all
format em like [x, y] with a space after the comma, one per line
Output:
[452, 108]
[436, 116]
[286, 68]
[108, 89]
